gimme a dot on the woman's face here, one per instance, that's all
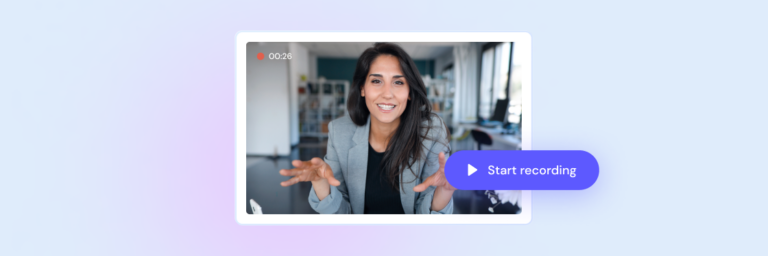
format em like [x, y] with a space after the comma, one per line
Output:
[385, 90]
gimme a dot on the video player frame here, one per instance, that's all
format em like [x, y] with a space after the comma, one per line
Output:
[522, 44]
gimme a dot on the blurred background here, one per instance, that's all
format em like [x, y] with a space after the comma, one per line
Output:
[474, 87]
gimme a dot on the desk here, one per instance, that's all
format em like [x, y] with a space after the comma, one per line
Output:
[500, 141]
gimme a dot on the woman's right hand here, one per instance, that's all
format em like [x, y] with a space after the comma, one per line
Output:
[315, 170]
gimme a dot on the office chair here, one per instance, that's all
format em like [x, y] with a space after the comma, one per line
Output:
[482, 138]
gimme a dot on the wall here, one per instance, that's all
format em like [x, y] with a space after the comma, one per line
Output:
[443, 61]
[344, 68]
[312, 66]
[336, 68]
[298, 66]
[267, 110]
[426, 67]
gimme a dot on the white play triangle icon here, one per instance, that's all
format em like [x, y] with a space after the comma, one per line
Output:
[470, 169]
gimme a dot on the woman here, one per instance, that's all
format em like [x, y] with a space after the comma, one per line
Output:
[386, 156]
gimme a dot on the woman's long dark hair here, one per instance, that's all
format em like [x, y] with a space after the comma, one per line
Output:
[405, 146]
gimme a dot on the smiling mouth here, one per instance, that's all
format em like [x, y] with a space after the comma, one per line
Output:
[386, 106]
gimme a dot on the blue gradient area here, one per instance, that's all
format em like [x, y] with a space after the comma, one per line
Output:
[117, 131]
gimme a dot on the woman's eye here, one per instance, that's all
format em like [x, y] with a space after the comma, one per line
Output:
[399, 83]
[375, 81]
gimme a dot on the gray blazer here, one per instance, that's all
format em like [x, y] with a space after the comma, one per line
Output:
[348, 157]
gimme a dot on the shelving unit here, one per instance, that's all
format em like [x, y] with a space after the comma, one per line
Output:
[440, 93]
[320, 103]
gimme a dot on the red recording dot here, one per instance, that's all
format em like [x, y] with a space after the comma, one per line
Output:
[260, 56]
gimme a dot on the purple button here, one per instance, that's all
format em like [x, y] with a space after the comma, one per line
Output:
[522, 170]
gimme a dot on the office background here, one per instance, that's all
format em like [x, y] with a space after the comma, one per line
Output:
[117, 132]
[474, 87]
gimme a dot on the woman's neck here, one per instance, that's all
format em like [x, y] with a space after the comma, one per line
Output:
[381, 133]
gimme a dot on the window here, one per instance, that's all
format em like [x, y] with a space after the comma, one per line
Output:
[494, 77]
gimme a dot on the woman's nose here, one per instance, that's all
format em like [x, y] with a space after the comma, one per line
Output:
[387, 93]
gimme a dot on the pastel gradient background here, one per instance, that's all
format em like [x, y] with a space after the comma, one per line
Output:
[117, 126]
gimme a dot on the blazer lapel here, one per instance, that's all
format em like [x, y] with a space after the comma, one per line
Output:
[407, 196]
[358, 168]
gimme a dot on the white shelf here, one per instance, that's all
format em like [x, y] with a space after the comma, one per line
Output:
[317, 109]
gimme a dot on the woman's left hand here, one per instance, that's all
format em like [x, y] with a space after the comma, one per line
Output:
[438, 179]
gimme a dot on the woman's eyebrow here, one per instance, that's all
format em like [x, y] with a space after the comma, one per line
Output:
[379, 75]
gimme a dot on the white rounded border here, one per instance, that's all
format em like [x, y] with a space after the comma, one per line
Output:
[522, 42]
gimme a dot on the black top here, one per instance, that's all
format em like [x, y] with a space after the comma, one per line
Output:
[380, 196]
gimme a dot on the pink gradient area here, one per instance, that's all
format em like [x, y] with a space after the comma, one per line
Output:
[143, 159]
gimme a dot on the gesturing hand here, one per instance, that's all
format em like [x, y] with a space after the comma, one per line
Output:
[438, 179]
[313, 170]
